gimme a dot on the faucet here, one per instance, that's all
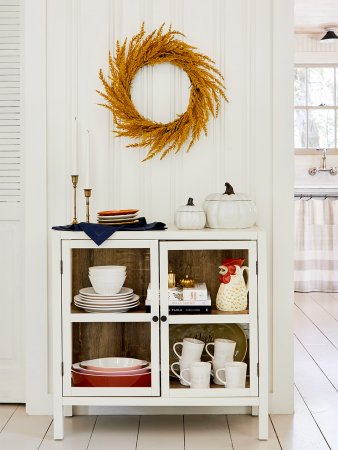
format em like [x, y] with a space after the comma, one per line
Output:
[323, 168]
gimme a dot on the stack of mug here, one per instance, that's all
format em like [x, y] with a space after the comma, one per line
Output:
[196, 374]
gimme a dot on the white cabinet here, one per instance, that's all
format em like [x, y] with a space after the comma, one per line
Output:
[79, 335]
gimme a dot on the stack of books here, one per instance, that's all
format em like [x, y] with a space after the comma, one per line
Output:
[194, 300]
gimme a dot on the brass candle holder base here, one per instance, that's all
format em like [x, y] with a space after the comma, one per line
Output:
[75, 179]
[87, 193]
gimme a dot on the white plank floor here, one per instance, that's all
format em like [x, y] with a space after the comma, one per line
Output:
[314, 426]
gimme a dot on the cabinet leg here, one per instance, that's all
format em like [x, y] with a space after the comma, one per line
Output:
[263, 422]
[68, 411]
[254, 410]
[58, 422]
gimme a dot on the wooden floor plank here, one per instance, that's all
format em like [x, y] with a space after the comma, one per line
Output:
[115, 433]
[321, 318]
[327, 302]
[78, 430]
[318, 393]
[207, 432]
[298, 431]
[6, 412]
[23, 431]
[161, 433]
[334, 295]
[317, 345]
[244, 434]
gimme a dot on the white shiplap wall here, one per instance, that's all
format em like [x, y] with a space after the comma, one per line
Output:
[11, 303]
[239, 148]
[117, 176]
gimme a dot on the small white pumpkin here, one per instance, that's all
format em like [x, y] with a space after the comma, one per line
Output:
[190, 217]
[229, 210]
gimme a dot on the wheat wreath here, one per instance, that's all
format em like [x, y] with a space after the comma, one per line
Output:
[206, 91]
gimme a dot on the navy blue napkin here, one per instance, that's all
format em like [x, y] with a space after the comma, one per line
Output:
[99, 233]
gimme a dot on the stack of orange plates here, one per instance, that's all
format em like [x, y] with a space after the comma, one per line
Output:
[117, 217]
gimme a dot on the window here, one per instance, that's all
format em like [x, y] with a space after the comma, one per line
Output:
[316, 106]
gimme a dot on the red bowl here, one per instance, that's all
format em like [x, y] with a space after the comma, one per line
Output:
[88, 380]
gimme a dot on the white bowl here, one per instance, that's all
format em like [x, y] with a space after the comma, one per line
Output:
[112, 364]
[106, 271]
[104, 268]
[108, 277]
[107, 287]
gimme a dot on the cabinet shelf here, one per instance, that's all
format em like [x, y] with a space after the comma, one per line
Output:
[139, 315]
[216, 390]
[216, 316]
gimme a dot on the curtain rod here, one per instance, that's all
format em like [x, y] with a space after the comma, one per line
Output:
[309, 196]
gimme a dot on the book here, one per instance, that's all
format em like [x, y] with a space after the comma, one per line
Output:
[190, 309]
[199, 292]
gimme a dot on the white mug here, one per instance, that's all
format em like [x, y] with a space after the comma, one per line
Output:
[182, 364]
[191, 349]
[217, 364]
[199, 375]
[224, 349]
[235, 374]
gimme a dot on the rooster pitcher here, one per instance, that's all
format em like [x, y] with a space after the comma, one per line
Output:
[233, 290]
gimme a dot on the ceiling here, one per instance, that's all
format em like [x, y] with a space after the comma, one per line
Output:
[314, 15]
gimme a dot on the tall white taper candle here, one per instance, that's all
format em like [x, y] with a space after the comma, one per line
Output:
[88, 161]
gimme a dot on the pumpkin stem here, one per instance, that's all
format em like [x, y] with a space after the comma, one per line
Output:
[229, 189]
[190, 202]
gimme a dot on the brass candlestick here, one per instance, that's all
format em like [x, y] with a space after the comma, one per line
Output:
[88, 193]
[75, 179]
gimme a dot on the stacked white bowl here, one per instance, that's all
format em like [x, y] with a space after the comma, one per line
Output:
[107, 280]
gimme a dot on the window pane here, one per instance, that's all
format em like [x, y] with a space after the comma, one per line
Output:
[300, 86]
[300, 129]
[321, 128]
[321, 86]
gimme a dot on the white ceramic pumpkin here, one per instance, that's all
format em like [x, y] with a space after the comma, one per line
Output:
[229, 210]
[190, 217]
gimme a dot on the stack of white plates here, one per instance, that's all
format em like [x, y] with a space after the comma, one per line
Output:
[121, 302]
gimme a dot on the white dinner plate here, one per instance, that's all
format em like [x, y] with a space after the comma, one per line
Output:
[78, 298]
[105, 310]
[99, 304]
[103, 305]
[110, 298]
[89, 291]
[99, 308]
[80, 301]
[106, 307]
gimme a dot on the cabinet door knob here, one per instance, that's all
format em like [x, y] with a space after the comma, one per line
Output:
[164, 318]
[155, 318]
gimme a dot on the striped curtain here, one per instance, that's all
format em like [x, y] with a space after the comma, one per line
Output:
[316, 252]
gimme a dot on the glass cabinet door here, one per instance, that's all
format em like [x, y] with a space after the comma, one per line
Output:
[102, 326]
[225, 274]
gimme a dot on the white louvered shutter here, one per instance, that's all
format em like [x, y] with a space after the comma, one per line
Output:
[12, 378]
[10, 105]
